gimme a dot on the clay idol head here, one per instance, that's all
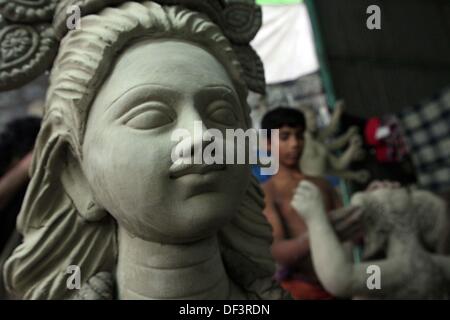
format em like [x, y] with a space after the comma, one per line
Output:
[120, 86]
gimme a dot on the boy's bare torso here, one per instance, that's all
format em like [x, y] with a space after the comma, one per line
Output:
[280, 190]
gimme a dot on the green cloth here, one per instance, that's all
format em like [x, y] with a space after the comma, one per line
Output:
[262, 2]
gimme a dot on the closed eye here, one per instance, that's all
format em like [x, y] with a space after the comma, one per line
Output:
[147, 116]
[221, 112]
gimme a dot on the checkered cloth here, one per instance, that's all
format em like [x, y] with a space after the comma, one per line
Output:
[427, 132]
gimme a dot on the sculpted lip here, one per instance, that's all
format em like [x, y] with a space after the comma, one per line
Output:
[179, 170]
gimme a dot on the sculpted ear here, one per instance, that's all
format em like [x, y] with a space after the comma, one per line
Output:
[78, 189]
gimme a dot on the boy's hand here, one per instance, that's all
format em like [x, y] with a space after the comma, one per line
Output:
[307, 200]
[347, 222]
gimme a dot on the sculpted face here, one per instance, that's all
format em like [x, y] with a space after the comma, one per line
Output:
[155, 88]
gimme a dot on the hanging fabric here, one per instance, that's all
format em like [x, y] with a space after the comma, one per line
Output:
[285, 42]
[427, 131]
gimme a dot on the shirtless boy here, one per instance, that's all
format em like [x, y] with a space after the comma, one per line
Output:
[291, 245]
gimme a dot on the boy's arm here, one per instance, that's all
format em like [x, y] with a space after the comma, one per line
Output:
[290, 252]
[346, 221]
[329, 258]
[335, 270]
[285, 252]
[271, 213]
[337, 200]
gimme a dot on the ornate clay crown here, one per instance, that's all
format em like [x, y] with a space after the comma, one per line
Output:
[30, 31]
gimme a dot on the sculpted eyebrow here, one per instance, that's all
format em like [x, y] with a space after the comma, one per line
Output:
[218, 88]
[141, 93]
[225, 90]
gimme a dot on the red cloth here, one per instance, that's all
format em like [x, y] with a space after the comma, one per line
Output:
[370, 131]
[380, 146]
[304, 290]
[391, 148]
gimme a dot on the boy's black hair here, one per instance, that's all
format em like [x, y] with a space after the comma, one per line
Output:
[282, 116]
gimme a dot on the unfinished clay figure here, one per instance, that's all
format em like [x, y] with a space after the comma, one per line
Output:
[318, 158]
[105, 195]
[405, 224]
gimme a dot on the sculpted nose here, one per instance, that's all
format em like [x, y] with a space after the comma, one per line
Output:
[192, 146]
[193, 140]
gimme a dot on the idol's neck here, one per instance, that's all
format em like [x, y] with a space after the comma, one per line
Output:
[150, 270]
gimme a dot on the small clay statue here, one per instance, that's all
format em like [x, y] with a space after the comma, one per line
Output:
[318, 158]
[105, 195]
[405, 225]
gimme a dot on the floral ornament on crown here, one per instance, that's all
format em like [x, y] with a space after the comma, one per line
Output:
[40, 24]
